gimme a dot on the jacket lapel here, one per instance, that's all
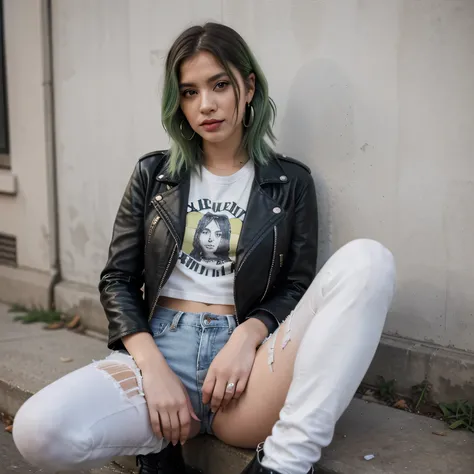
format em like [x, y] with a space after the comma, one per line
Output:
[172, 203]
[263, 212]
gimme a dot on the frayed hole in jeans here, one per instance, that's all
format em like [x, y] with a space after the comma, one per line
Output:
[287, 335]
[286, 326]
[126, 378]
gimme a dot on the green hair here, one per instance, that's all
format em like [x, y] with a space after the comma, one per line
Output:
[229, 48]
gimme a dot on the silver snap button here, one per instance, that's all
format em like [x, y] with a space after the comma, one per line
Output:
[283, 178]
[159, 197]
[276, 210]
[161, 176]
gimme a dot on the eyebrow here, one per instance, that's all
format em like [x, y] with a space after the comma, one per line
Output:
[211, 79]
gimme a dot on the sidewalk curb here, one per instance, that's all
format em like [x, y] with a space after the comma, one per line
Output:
[11, 397]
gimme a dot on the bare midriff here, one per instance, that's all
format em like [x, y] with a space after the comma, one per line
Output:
[195, 306]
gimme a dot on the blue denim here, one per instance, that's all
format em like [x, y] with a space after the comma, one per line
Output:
[189, 342]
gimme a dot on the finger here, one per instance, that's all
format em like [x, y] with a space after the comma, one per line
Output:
[175, 428]
[191, 409]
[208, 388]
[185, 424]
[165, 425]
[155, 423]
[229, 394]
[240, 388]
[217, 395]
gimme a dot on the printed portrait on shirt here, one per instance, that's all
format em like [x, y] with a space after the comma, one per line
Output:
[211, 237]
[211, 242]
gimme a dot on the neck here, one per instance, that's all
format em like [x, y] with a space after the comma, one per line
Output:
[226, 157]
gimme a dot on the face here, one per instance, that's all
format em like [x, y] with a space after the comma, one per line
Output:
[208, 100]
[210, 239]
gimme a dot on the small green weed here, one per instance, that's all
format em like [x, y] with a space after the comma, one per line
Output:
[458, 414]
[34, 315]
[421, 393]
[386, 389]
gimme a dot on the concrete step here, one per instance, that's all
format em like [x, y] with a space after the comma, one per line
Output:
[30, 358]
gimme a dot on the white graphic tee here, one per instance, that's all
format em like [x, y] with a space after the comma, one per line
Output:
[216, 210]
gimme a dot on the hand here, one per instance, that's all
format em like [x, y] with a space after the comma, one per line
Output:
[233, 364]
[168, 403]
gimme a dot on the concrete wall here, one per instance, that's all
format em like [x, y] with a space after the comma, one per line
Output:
[26, 214]
[24, 206]
[377, 96]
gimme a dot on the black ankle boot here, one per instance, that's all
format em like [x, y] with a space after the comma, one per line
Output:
[168, 461]
[255, 466]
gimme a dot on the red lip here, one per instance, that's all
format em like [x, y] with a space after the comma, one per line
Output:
[210, 122]
[210, 126]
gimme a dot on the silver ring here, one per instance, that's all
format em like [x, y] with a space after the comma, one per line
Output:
[230, 387]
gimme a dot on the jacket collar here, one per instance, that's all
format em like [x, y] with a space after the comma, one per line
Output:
[271, 173]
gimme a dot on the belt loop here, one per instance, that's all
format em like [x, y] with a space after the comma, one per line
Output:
[231, 323]
[176, 319]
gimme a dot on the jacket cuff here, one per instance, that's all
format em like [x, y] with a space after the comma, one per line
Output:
[268, 319]
[116, 344]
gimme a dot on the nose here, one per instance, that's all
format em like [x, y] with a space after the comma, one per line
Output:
[207, 103]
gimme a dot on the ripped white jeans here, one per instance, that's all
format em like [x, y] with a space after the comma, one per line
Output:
[98, 412]
[337, 326]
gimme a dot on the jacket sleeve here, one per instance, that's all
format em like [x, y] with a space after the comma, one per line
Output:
[300, 268]
[122, 278]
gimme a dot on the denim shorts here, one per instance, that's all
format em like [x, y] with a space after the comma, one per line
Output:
[189, 342]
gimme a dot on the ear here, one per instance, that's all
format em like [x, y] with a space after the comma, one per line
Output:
[250, 83]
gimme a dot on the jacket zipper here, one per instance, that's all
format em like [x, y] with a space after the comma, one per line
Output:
[152, 228]
[235, 295]
[242, 264]
[176, 246]
[161, 282]
[235, 301]
[275, 236]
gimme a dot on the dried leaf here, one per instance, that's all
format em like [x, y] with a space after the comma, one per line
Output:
[75, 321]
[440, 433]
[401, 404]
[56, 325]
[9, 428]
[65, 359]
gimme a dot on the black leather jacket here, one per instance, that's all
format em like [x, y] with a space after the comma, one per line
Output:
[275, 257]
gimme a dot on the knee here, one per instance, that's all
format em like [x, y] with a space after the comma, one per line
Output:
[42, 439]
[372, 258]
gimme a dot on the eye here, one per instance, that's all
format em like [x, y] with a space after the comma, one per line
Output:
[221, 85]
[218, 234]
[188, 93]
[205, 231]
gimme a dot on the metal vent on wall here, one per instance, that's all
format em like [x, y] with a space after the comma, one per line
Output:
[8, 250]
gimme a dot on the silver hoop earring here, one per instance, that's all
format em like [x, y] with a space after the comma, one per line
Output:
[248, 111]
[182, 134]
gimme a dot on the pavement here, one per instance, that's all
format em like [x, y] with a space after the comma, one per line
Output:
[400, 442]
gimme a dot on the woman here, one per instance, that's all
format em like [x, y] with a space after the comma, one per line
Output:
[262, 355]
[212, 239]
